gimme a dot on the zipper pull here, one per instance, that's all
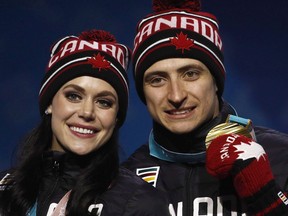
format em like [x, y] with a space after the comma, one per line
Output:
[56, 166]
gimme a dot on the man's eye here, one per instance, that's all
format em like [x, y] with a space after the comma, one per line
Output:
[191, 74]
[156, 81]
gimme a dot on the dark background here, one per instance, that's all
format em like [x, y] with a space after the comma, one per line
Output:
[254, 34]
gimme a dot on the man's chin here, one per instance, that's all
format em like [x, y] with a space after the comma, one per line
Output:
[180, 129]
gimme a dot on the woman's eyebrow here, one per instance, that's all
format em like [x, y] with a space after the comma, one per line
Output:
[106, 93]
[76, 87]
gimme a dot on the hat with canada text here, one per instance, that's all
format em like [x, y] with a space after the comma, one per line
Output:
[178, 29]
[94, 53]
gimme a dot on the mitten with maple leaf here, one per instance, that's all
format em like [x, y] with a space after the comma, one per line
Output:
[247, 163]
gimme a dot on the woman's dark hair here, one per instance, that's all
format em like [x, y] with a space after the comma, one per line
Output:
[96, 178]
[25, 178]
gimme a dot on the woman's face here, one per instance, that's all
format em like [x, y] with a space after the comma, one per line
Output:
[84, 115]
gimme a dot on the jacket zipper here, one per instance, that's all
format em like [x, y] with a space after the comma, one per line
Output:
[56, 171]
[187, 210]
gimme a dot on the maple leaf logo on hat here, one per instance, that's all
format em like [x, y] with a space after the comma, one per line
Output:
[99, 61]
[182, 42]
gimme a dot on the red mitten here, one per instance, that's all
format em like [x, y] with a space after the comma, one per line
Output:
[246, 161]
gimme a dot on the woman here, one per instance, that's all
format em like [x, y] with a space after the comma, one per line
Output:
[71, 158]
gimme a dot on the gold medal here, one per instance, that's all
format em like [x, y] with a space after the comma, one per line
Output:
[233, 124]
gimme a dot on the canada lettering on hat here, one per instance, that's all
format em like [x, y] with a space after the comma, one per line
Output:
[203, 25]
[76, 45]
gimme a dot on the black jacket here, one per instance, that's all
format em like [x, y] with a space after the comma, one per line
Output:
[192, 191]
[129, 195]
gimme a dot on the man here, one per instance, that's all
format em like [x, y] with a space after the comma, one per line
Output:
[179, 75]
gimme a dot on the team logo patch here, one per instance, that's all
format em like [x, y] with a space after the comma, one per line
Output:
[149, 174]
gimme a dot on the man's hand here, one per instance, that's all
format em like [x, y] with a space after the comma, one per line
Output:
[247, 163]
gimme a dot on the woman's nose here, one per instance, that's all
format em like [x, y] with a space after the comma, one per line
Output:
[87, 110]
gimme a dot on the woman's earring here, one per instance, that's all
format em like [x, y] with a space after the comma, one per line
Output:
[47, 112]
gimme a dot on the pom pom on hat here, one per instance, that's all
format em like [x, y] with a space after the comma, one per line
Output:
[192, 5]
[94, 53]
[97, 35]
[175, 20]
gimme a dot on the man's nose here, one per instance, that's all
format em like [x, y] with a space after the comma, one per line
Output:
[176, 93]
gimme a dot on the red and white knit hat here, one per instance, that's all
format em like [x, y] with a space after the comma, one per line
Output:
[177, 29]
[94, 53]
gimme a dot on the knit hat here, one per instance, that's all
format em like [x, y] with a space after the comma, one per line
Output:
[94, 53]
[177, 29]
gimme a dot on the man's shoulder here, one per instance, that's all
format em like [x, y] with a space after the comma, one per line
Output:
[275, 144]
[140, 157]
[141, 152]
[271, 138]
[131, 190]
[128, 177]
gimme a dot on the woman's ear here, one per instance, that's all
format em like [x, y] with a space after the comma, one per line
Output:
[48, 110]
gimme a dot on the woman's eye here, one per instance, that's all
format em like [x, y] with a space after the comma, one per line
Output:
[104, 103]
[73, 96]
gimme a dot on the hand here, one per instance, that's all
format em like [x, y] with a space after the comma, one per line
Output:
[247, 163]
[241, 157]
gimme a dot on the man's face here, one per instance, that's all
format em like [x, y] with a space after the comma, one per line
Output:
[180, 94]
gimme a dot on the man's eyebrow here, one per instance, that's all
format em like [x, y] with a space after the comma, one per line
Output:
[190, 66]
[181, 69]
